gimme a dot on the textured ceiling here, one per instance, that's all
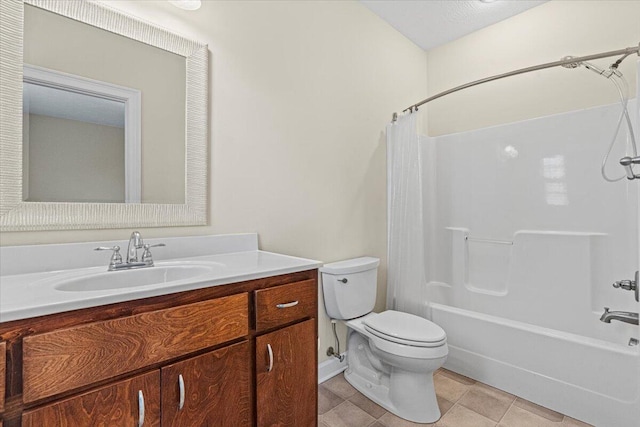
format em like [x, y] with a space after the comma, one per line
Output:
[431, 23]
[63, 104]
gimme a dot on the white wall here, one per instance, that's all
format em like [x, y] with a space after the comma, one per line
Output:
[300, 93]
[543, 34]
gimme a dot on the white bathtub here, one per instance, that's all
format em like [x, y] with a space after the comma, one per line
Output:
[588, 379]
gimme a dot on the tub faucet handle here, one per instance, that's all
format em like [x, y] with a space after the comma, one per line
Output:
[630, 285]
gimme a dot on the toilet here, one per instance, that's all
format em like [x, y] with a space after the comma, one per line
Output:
[391, 355]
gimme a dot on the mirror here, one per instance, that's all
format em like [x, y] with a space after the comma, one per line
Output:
[112, 127]
[78, 140]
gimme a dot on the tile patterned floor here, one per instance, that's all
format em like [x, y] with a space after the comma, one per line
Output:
[463, 403]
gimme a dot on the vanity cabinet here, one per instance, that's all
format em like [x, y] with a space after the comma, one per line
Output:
[3, 365]
[195, 358]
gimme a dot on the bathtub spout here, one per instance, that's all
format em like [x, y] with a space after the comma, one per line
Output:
[622, 316]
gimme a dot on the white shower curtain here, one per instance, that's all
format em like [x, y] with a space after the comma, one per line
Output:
[406, 287]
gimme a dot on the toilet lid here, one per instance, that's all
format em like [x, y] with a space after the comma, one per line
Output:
[405, 328]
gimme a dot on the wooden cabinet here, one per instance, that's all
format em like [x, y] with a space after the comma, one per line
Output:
[133, 402]
[194, 358]
[286, 359]
[213, 389]
[3, 380]
[287, 377]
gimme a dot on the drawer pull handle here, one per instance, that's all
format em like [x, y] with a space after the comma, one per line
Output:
[287, 305]
[181, 387]
[140, 408]
[270, 367]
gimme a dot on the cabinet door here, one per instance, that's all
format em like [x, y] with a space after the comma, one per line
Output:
[286, 376]
[213, 389]
[132, 402]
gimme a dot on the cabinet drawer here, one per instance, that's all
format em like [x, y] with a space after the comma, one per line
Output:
[281, 304]
[3, 377]
[118, 404]
[66, 359]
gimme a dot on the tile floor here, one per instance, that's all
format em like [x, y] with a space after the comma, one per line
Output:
[463, 403]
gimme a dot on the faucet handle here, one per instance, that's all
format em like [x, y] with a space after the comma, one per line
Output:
[116, 258]
[146, 255]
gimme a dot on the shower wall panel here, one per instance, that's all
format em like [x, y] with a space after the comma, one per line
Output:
[524, 240]
[522, 225]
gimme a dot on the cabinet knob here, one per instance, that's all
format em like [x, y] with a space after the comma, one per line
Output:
[181, 387]
[140, 408]
[270, 351]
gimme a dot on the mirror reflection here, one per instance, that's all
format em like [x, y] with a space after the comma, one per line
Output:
[73, 146]
[82, 143]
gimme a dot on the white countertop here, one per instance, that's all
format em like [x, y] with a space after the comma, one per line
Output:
[34, 294]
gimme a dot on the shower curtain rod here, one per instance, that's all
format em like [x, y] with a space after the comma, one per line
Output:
[569, 62]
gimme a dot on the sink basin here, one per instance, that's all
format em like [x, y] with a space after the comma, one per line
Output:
[156, 275]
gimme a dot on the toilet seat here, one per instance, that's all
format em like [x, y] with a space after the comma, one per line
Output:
[431, 350]
[405, 328]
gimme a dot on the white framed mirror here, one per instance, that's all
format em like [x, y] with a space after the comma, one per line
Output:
[68, 162]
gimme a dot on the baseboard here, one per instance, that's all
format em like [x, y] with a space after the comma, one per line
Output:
[330, 368]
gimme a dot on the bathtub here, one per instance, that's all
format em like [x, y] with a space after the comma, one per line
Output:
[588, 379]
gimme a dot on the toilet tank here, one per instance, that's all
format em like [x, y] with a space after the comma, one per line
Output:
[349, 287]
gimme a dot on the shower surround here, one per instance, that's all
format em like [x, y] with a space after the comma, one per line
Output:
[523, 241]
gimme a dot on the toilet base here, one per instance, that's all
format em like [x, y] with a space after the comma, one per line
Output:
[409, 395]
[379, 393]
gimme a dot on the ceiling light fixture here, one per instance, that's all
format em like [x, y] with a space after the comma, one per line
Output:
[187, 4]
[487, 1]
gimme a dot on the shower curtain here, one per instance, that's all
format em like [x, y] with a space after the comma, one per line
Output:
[406, 286]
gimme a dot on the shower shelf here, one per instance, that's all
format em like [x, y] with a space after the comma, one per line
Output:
[492, 241]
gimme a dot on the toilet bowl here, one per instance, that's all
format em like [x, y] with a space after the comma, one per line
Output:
[391, 355]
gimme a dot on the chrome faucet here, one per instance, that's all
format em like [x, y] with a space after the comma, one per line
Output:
[135, 243]
[622, 316]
